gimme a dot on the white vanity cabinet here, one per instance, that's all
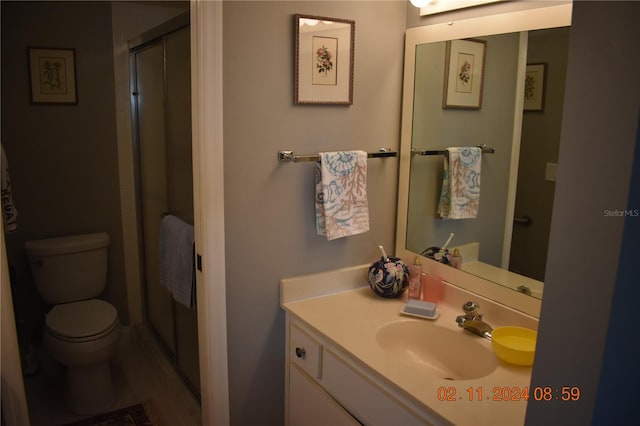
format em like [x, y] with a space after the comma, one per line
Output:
[324, 386]
[338, 372]
[310, 405]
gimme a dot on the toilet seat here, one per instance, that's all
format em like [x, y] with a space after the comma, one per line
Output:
[82, 321]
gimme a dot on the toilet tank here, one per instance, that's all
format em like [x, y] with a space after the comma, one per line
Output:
[71, 268]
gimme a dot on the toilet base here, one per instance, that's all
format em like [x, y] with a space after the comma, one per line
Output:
[91, 390]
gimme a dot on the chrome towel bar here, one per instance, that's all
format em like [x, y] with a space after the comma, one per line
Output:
[290, 156]
[485, 150]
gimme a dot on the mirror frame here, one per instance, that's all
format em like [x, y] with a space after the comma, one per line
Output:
[518, 21]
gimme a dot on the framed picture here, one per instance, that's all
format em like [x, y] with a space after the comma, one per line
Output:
[52, 76]
[534, 83]
[464, 74]
[324, 60]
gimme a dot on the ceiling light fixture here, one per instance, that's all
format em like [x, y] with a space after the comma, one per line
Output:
[430, 7]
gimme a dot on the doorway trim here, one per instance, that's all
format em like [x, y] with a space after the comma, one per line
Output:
[14, 400]
[208, 186]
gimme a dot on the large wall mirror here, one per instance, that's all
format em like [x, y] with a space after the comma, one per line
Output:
[518, 114]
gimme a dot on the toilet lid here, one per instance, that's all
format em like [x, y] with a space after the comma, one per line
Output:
[82, 319]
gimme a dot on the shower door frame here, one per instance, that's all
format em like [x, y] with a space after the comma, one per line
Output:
[154, 38]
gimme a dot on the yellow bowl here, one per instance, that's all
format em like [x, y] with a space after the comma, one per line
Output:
[515, 345]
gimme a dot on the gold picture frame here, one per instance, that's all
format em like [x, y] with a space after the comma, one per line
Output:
[464, 74]
[324, 58]
[534, 87]
[52, 75]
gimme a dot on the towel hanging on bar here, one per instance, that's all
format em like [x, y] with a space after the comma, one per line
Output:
[177, 273]
[460, 197]
[341, 194]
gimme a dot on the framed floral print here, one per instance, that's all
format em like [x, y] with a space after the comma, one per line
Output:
[464, 74]
[324, 56]
[52, 76]
[534, 83]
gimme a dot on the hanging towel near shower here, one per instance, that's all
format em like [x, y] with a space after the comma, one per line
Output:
[9, 212]
[460, 196]
[341, 194]
[177, 272]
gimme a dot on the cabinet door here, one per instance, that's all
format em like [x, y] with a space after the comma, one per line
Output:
[361, 396]
[309, 405]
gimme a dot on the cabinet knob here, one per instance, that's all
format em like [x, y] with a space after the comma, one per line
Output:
[300, 352]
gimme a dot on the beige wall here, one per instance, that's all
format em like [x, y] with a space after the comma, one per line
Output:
[270, 231]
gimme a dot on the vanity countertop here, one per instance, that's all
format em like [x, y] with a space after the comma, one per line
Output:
[350, 316]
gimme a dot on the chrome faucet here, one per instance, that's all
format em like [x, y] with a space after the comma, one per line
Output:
[472, 320]
[470, 313]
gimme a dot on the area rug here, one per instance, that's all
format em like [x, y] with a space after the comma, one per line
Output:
[128, 416]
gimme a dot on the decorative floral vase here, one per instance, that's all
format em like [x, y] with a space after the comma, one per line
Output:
[389, 277]
[437, 254]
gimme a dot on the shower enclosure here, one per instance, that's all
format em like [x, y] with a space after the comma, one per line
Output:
[161, 106]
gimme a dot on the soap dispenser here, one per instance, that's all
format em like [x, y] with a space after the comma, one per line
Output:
[456, 259]
[415, 276]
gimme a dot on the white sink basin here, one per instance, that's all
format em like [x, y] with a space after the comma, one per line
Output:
[445, 353]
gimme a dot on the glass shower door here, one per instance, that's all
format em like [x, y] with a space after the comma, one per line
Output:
[162, 103]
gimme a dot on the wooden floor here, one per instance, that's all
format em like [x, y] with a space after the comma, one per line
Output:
[141, 374]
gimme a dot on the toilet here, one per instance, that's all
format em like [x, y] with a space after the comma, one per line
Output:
[81, 331]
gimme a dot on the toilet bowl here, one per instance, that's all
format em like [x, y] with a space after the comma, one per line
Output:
[81, 332]
[85, 347]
